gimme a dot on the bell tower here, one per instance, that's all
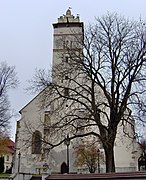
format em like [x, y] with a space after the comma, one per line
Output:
[67, 31]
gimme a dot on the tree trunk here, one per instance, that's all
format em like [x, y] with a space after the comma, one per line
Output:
[109, 156]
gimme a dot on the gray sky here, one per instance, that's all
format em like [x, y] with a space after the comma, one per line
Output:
[26, 33]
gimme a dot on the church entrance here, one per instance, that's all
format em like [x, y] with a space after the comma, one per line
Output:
[64, 168]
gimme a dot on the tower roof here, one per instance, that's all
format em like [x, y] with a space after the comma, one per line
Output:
[68, 20]
[68, 17]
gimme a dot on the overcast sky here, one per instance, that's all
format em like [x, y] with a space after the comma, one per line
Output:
[26, 33]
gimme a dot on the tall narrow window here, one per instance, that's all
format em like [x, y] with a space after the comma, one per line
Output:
[7, 158]
[47, 123]
[36, 142]
[66, 91]
[66, 59]
[18, 124]
[47, 120]
[71, 44]
[63, 44]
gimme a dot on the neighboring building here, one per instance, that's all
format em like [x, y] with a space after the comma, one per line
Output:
[7, 151]
[35, 157]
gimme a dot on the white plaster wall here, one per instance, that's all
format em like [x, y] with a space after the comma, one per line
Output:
[7, 163]
[126, 152]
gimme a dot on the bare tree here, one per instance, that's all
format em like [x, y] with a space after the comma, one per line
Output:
[96, 89]
[8, 80]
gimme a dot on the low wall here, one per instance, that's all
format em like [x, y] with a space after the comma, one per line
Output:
[4, 178]
[102, 176]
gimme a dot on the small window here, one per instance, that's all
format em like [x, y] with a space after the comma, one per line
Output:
[46, 132]
[66, 59]
[47, 120]
[66, 91]
[18, 124]
[62, 79]
[71, 44]
[66, 77]
[65, 44]
[7, 158]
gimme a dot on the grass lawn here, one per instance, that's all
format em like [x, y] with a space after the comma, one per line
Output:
[4, 175]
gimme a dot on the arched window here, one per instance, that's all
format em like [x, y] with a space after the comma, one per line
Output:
[36, 142]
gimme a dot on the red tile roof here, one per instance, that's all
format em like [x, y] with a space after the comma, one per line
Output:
[7, 146]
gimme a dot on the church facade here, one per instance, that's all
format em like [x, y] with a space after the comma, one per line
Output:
[33, 156]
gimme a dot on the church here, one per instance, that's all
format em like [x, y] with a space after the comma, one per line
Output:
[37, 117]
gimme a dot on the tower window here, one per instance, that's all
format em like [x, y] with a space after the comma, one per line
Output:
[66, 59]
[47, 120]
[66, 91]
[47, 123]
[18, 124]
[65, 44]
[66, 77]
